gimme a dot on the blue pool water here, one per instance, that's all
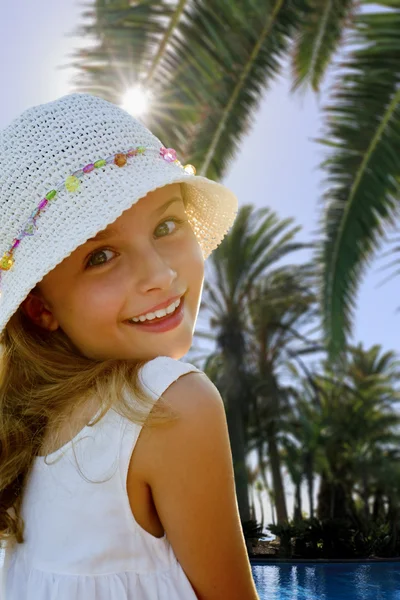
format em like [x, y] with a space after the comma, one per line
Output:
[327, 581]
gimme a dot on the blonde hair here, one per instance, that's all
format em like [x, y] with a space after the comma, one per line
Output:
[42, 373]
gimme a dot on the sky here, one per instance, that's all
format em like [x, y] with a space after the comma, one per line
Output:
[277, 165]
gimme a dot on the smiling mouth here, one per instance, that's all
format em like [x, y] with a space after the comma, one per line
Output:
[163, 323]
[157, 315]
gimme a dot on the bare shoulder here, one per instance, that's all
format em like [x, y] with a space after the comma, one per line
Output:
[194, 393]
[192, 482]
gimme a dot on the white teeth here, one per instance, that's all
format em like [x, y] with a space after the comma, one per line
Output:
[158, 313]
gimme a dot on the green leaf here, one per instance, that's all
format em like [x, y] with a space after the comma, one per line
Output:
[206, 63]
[318, 39]
[363, 170]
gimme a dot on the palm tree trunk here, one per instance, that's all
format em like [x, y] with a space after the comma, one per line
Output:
[236, 435]
[231, 385]
[261, 463]
[275, 465]
[309, 475]
[252, 503]
[334, 500]
[378, 511]
[325, 499]
[298, 513]
[260, 501]
[273, 506]
[365, 497]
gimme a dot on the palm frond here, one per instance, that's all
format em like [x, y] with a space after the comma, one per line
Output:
[246, 42]
[256, 241]
[131, 41]
[206, 64]
[363, 170]
[318, 39]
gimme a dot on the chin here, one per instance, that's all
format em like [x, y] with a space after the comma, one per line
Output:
[174, 348]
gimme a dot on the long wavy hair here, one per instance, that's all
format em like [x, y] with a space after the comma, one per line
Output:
[42, 373]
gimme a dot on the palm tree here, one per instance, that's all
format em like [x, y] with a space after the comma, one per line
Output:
[248, 255]
[363, 168]
[360, 426]
[292, 457]
[281, 307]
[305, 427]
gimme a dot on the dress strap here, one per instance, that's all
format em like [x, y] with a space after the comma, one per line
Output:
[158, 374]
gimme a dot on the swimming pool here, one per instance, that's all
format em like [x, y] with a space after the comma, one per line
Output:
[327, 581]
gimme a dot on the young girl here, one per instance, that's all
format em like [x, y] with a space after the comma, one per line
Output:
[116, 479]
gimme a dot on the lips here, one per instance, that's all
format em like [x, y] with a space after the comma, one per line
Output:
[160, 325]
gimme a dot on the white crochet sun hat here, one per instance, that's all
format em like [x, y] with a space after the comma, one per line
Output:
[69, 168]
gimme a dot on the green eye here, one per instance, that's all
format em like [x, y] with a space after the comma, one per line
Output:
[163, 227]
[97, 258]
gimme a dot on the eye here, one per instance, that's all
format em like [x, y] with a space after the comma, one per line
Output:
[98, 258]
[166, 229]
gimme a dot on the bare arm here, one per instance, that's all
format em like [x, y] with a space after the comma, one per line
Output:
[192, 482]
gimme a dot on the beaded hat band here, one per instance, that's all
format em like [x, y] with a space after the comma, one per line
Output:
[72, 183]
[54, 197]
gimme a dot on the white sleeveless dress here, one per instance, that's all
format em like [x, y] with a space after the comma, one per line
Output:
[81, 539]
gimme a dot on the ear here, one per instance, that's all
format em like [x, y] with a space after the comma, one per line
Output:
[35, 308]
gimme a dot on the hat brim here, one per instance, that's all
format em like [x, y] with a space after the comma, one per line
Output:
[103, 195]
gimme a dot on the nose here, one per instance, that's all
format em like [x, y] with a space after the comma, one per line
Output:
[153, 270]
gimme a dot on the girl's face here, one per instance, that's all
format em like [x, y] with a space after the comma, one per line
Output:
[146, 257]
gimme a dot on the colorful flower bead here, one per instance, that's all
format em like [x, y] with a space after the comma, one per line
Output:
[88, 168]
[169, 155]
[50, 195]
[72, 183]
[190, 169]
[30, 227]
[140, 149]
[120, 160]
[100, 163]
[6, 262]
[43, 204]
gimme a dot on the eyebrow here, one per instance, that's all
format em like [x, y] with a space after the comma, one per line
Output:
[106, 233]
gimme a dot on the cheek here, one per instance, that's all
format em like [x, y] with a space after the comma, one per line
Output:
[195, 262]
[88, 300]
[99, 296]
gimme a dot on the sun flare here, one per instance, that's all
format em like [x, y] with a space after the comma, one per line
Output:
[136, 101]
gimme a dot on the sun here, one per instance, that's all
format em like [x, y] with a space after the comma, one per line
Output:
[136, 101]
